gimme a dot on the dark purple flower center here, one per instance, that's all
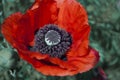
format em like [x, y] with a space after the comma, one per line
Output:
[52, 40]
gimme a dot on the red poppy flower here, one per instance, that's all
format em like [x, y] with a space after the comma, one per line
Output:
[53, 36]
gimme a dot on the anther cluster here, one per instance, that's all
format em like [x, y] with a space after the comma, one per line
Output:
[52, 40]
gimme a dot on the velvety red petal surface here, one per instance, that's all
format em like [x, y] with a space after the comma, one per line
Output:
[57, 67]
[73, 18]
[9, 27]
[79, 64]
[47, 13]
[35, 4]
[86, 62]
[19, 30]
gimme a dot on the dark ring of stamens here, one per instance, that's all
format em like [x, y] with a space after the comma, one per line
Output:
[62, 41]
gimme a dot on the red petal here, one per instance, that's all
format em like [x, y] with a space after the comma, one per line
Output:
[9, 27]
[47, 13]
[71, 14]
[79, 49]
[15, 28]
[25, 53]
[53, 71]
[80, 46]
[86, 62]
[35, 59]
[74, 65]
[34, 18]
[26, 27]
[73, 18]
[35, 5]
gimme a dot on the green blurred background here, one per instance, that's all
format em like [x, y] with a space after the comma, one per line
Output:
[104, 18]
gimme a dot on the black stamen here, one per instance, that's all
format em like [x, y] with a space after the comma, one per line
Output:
[53, 41]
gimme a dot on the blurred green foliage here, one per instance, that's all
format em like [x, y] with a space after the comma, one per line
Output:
[104, 18]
